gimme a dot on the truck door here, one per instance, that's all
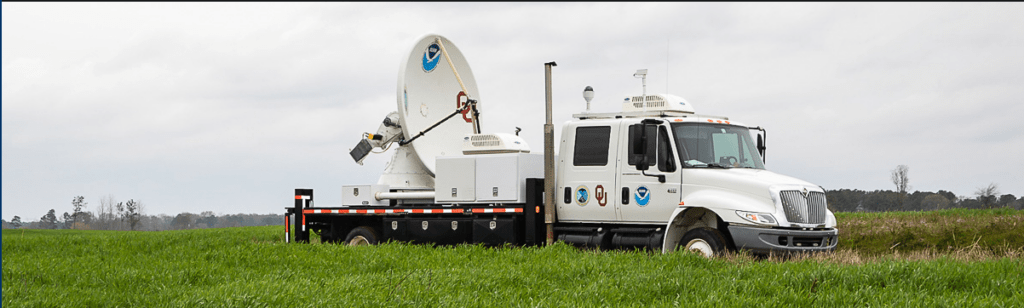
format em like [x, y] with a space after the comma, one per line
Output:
[642, 198]
[587, 168]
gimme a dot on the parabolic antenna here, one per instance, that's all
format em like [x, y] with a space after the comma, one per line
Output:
[429, 91]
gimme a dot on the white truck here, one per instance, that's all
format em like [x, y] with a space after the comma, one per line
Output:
[655, 176]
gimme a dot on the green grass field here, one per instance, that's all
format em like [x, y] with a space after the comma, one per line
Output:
[252, 267]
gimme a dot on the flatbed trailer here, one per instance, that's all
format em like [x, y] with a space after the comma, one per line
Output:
[489, 224]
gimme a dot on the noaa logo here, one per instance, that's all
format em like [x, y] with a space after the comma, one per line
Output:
[431, 57]
[582, 195]
[642, 195]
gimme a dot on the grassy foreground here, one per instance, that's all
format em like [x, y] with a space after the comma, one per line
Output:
[251, 267]
[995, 231]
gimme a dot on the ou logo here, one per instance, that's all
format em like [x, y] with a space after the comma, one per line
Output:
[642, 195]
[600, 195]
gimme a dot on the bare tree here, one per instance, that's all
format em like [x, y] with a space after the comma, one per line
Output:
[106, 215]
[901, 178]
[987, 195]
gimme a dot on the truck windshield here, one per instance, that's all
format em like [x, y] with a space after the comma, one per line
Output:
[715, 146]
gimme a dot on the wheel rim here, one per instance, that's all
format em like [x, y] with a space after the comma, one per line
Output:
[358, 240]
[700, 246]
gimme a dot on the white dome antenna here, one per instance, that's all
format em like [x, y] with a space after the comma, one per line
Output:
[588, 94]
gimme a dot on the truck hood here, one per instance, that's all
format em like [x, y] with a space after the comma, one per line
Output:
[753, 182]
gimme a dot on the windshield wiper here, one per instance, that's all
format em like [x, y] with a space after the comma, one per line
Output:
[717, 165]
[711, 165]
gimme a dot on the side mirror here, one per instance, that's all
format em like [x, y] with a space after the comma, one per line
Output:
[760, 147]
[641, 146]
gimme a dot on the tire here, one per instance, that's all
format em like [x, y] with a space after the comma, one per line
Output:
[362, 235]
[705, 241]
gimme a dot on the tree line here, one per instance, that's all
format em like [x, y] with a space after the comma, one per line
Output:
[900, 199]
[130, 215]
[855, 200]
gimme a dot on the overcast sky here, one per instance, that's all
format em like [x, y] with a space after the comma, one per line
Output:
[228, 107]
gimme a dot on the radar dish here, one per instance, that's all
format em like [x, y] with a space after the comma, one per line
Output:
[429, 91]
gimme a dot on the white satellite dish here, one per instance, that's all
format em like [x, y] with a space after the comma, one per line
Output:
[429, 90]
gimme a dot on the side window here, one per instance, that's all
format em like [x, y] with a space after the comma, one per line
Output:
[634, 138]
[591, 148]
[666, 161]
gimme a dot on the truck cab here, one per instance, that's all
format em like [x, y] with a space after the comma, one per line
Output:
[657, 175]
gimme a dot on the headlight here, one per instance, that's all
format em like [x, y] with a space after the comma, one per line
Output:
[758, 218]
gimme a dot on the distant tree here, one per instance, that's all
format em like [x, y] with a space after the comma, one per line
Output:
[66, 221]
[935, 202]
[122, 215]
[228, 221]
[949, 196]
[48, 221]
[83, 221]
[844, 200]
[879, 201]
[183, 221]
[132, 213]
[77, 204]
[208, 220]
[987, 195]
[1007, 200]
[901, 178]
[16, 222]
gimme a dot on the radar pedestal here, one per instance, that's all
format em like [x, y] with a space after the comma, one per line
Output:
[405, 171]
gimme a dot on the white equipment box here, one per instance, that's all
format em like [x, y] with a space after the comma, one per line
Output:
[456, 179]
[362, 195]
[489, 178]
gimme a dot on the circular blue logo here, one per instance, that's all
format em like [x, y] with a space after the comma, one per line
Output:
[582, 195]
[642, 195]
[431, 57]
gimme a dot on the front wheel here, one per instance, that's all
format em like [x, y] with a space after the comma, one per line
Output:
[362, 235]
[705, 241]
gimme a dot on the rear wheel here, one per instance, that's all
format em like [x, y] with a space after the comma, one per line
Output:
[362, 235]
[705, 241]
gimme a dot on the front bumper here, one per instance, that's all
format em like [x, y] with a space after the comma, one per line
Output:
[770, 240]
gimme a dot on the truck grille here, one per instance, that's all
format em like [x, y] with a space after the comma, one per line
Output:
[800, 209]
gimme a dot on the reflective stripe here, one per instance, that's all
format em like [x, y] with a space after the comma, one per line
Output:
[414, 211]
[498, 210]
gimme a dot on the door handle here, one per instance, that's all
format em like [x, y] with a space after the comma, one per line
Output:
[625, 195]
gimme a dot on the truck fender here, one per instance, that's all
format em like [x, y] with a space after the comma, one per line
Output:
[685, 219]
